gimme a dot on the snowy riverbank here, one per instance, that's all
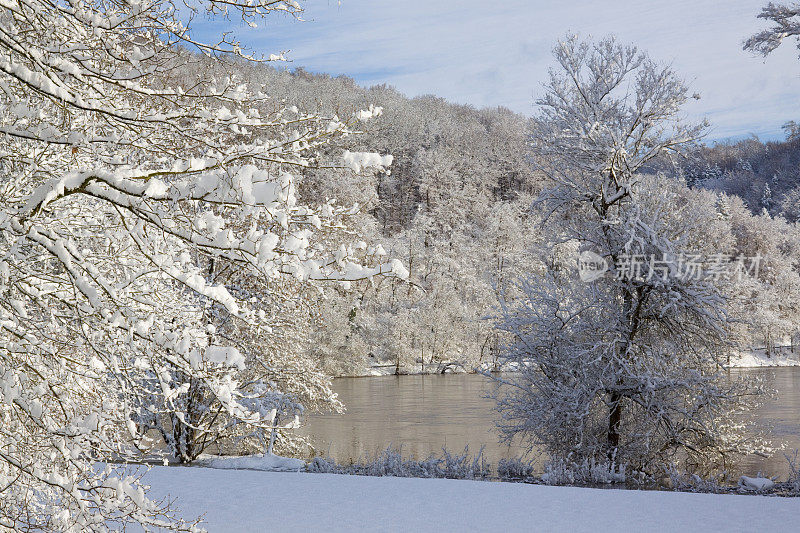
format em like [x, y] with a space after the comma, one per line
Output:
[245, 500]
[749, 359]
[758, 358]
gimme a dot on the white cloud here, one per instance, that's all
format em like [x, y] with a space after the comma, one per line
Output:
[497, 53]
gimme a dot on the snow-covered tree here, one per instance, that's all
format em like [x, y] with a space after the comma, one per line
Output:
[146, 216]
[766, 197]
[785, 19]
[790, 204]
[767, 299]
[452, 209]
[626, 367]
[792, 130]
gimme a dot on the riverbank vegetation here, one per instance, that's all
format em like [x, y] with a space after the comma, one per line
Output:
[557, 472]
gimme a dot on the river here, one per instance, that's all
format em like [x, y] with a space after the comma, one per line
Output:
[423, 413]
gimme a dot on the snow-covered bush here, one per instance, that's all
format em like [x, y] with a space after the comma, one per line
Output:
[685, 482]
[794, 472]
[323, 465]
[463, 466]
[559, 471]
[390, 462]
[514, 469]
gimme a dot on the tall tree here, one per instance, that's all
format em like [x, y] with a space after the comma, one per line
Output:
[626, 367]
[127, 198]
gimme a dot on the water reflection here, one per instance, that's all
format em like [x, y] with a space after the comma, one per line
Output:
[780, 415]
[421, 414]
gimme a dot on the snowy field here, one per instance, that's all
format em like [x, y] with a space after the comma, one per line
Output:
[244, 500]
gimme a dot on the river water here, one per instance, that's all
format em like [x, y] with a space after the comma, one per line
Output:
[421, 414]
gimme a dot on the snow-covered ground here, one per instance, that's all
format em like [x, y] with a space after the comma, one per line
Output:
[759, 358]
[245, 500]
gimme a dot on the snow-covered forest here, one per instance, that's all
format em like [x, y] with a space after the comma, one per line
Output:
[455, 208]
[195, 242]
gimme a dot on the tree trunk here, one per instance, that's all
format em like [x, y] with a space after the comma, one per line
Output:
[184, 441]
[769, 345]
[614, 419]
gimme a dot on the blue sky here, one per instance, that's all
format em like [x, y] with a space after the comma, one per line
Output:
[497, 53]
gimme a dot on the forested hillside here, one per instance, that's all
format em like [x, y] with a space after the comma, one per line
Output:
[766, 175]
[455, 208]
[458, 208]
